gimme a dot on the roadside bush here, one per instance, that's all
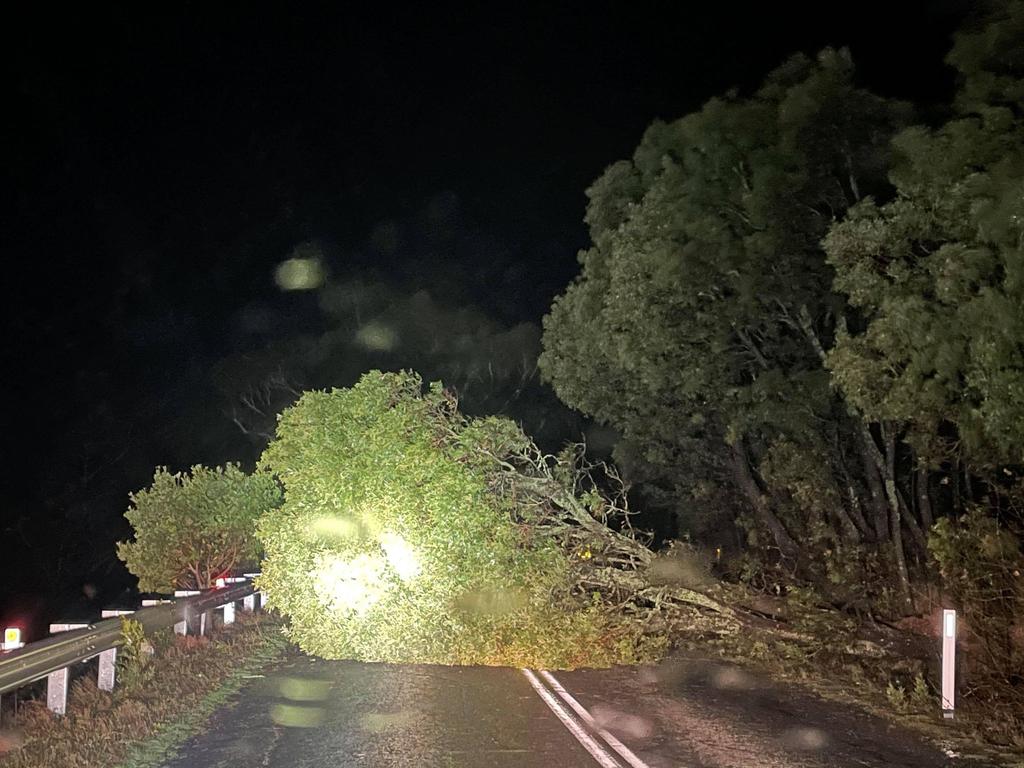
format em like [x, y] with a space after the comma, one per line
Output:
[133, 657]
[190, 528]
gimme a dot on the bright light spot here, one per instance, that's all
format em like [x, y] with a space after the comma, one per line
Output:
[350, 585]
[376, 337]
[299, 274]
[12, 636]
[401, 556]
[950, 621]
[371, 524]
[220, 583]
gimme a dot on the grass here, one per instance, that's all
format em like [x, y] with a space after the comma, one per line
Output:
[140, 726]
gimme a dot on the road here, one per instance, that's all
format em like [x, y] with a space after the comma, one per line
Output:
[309, 713]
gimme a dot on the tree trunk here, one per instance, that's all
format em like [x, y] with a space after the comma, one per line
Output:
[855, 512]
[847, 527]
[894, 517]
[924, 499]
[873, 477]
[758, 500]
[906, 512]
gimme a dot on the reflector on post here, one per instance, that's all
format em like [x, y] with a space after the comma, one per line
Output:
[12, 639]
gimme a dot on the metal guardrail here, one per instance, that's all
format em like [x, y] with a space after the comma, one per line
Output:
[51, 657]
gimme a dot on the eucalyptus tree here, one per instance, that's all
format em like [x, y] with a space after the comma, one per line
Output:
[699, 324]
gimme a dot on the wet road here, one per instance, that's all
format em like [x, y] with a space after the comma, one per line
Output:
[309, 713]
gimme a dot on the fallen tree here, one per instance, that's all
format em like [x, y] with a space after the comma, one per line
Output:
[410, 532]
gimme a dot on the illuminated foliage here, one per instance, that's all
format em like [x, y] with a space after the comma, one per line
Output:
[396, 543]
[192, 527]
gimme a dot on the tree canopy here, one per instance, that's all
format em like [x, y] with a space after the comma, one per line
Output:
[698, 322]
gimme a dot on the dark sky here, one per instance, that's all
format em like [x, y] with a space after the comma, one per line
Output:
[157, 168]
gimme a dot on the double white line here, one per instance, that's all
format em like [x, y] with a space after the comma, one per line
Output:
[593, 745]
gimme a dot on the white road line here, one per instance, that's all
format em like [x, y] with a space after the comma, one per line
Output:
[599, 753]
[626, 753]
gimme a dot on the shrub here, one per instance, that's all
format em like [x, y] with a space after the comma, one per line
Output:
[133, 669]
[191, 528]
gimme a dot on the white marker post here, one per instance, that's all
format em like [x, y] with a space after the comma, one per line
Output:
[57, 682]
[948, 662]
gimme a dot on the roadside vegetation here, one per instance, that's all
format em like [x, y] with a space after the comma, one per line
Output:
[168, 685]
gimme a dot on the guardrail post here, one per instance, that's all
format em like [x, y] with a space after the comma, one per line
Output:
[229, 613]
[249, 602]
[57, 682]
[193, 625]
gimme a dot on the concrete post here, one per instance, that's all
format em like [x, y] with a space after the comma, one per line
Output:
[57, 682]
[192, 625]
[229, 613]
[57, 691]
[249, 602]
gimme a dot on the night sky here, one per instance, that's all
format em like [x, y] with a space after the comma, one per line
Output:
[158, 167]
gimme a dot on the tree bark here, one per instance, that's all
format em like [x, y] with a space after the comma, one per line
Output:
[855, 511]
[894, 517]
[873, 477]
[924, 499]
[750, 488]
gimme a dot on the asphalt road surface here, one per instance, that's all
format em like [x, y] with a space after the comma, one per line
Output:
[309, 713]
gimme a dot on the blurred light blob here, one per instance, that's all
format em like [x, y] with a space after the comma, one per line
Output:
[334, 527]
[299, 274]
[732, 678]
[811, 739]
[296, 716]
[304, 689]
[401, 557]
[376, 337]
[349, 586]
[622, 723]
